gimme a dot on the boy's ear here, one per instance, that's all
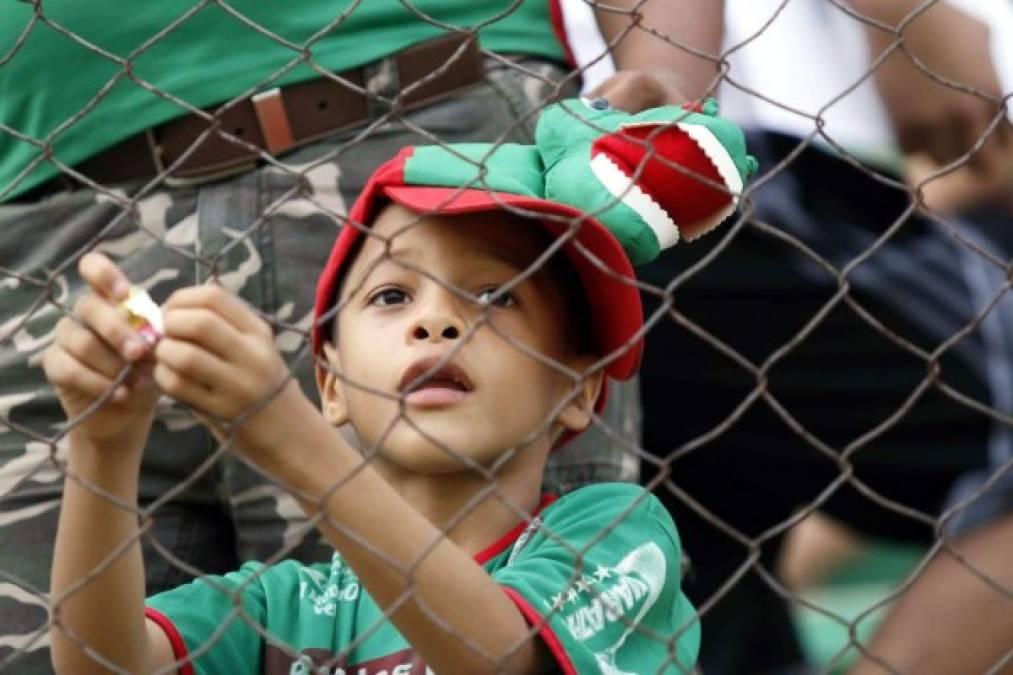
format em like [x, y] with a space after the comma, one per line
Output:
[576, 416]
[332, 400]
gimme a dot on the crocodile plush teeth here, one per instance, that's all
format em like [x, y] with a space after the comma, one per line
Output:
[722, 161]
[717, 154]
[711, 147]
[625, 190]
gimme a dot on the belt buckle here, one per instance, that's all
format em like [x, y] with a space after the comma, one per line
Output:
[275, 126]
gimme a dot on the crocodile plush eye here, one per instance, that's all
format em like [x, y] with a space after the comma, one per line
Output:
[597, 103]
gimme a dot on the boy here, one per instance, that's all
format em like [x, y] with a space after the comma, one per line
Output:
[463, 337]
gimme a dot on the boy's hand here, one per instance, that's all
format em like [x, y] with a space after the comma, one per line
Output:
[219, 357]
[91, 349]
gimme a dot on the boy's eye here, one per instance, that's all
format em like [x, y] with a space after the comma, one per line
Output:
[487, 296]
[389, 296]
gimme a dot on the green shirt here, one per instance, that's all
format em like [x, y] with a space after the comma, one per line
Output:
[619, 611]
[207, 57]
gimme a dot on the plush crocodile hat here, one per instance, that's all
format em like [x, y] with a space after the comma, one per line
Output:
[618, 187]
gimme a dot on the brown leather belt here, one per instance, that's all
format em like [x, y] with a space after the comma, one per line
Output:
[284, 118]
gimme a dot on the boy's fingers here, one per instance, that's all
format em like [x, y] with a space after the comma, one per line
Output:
[81, 343]
[66, 372]
[182, 388]
[223, 303]
[193, 363]
[204, 327]
[109, 324]
[103, 276]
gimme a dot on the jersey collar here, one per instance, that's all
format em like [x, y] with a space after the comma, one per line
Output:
[510, 537]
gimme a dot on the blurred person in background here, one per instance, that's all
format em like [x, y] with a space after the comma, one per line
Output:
[103, 147]
[843, 157]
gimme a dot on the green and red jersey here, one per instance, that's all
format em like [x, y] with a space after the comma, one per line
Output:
[596, 572]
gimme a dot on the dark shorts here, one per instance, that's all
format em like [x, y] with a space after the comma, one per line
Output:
[806, 403]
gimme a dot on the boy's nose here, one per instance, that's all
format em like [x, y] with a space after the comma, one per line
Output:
[434, 329]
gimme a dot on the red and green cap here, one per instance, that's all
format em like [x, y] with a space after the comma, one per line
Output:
[557, 183]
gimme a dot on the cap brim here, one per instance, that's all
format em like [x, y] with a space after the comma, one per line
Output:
[598, 258]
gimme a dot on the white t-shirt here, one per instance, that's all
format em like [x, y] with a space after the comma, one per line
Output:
[811, 59]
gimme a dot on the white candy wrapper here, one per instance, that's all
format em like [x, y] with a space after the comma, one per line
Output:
[143, 315]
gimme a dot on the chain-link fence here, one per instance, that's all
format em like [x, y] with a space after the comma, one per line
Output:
[840, 348]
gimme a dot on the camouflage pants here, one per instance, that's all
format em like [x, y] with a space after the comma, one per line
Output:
[268, 246]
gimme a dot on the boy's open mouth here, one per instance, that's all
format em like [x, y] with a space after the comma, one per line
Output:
[446, 385]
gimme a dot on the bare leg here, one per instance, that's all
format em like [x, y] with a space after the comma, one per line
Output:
[815, 548]
[951, 620]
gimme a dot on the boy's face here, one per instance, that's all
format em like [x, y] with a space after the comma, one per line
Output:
[396, 323]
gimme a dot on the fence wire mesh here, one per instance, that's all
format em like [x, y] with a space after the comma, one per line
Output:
[839, 348]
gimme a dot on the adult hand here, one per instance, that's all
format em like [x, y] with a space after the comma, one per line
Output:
[941, 98]
[636, 90]
[92, 347]
[988, 180]
[660, 51]
[219, 357]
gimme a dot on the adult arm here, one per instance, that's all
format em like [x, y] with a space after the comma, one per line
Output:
[664, 51]
[951, 620]
[938, 124]
[930, 116]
